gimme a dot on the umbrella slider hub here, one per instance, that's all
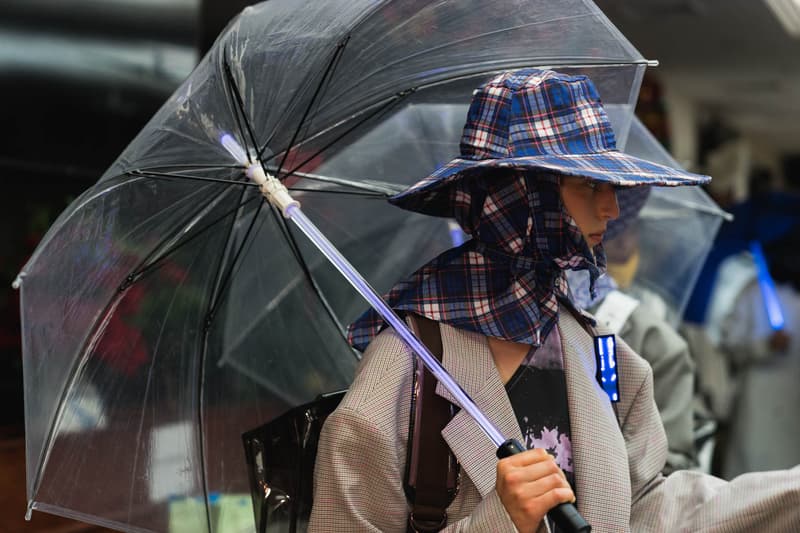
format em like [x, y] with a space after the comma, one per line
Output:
[272, 189]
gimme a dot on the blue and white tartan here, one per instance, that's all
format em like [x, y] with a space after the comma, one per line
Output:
[540, 120]
[505, 281]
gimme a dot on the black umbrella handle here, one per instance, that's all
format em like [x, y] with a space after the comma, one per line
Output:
[565, 515]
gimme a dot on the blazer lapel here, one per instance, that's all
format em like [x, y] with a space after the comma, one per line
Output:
[467, 357]
[598, 448]
[599, 452]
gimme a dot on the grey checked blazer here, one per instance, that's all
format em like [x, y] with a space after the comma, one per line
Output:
[618, 457]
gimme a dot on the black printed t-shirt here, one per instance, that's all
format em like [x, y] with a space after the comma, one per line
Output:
[538, 395]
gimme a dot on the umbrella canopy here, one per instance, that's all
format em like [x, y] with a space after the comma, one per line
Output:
[675, 229]
[169, 309]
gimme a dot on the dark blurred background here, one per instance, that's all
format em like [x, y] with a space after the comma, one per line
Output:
[79, 78]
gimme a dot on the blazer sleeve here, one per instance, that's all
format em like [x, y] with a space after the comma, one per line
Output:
[693, 501]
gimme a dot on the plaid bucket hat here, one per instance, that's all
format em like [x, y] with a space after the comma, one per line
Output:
[538, 120]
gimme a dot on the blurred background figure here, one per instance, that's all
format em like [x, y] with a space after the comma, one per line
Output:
[755, 331]
[764, 362]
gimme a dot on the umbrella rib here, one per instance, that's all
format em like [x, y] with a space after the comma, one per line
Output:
[385, 66]
[332, 65]
[309, 276]
[326, 76]
[289, 108]
[295, 249]
[89, 344]
[375, 196]
[218, 290]
[393, 100]
[200, 166]
[241, 116]
[228, 275]
[170, 175]
[376, 187]
[389, 100]
[373, 192]
[298, 257]
[150, 263]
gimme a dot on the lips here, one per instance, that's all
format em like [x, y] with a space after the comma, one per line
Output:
[596, 237]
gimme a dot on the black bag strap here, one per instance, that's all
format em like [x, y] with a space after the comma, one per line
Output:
[431, 476]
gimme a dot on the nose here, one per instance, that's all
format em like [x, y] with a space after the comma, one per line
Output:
[606, 202]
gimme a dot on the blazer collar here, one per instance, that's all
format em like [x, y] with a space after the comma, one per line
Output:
[467, 357]
[597, 442]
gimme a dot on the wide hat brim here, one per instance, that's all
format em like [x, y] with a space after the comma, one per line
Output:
[612, 166]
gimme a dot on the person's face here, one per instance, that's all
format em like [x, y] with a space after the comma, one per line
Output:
[591, 204]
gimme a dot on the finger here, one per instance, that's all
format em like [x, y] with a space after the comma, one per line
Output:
[512, 475]
[542, 487]
[541, 494]
[558, 496]
[527, 457]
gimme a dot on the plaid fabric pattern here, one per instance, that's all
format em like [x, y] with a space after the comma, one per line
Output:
[505, 281]
[539, 120]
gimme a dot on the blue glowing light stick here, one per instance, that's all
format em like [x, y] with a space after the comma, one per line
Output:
[767, 285]
[605, 348]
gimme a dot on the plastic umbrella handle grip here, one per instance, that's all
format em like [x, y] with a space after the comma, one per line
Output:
[565, 515]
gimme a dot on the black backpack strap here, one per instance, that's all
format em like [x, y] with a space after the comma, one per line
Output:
[431, 477]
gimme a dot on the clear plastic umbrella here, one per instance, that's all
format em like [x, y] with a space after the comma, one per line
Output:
[169, 309]
[673, 231]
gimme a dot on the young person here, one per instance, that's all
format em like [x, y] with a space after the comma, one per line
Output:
[535, 188]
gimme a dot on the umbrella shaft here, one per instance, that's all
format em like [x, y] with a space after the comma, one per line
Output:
[274, 191]
[361, 285]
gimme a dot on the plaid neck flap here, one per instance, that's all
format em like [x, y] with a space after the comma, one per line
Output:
[505, 282]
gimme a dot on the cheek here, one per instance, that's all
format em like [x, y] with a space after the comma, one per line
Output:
[577, 206]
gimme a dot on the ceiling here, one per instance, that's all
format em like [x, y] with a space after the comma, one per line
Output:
[81, 77]
[731, 57]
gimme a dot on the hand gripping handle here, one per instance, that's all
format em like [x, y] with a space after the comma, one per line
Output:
[565, 515]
